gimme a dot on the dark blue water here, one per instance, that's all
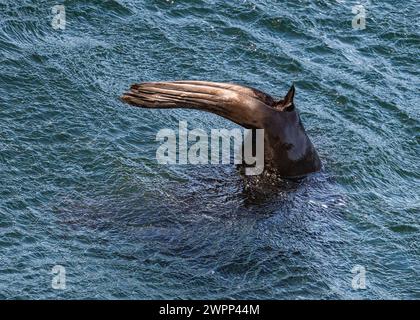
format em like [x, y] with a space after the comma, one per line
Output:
[80, 185]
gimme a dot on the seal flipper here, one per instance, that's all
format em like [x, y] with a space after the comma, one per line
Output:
[239, 104]
[288, 150]
[287, 104]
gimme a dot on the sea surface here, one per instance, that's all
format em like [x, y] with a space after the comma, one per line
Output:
[80, 186]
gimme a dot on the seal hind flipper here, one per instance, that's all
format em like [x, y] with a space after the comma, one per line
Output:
[239, 104]
[287, 148]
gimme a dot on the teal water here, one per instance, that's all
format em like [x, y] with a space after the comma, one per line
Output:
[80, 186]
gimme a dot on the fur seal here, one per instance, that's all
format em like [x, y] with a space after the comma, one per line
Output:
[288, 151]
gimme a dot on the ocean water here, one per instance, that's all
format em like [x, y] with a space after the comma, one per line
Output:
[81, 188]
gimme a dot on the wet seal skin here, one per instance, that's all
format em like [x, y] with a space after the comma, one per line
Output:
[288, 151]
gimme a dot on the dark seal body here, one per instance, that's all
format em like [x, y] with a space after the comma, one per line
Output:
[288, 150]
